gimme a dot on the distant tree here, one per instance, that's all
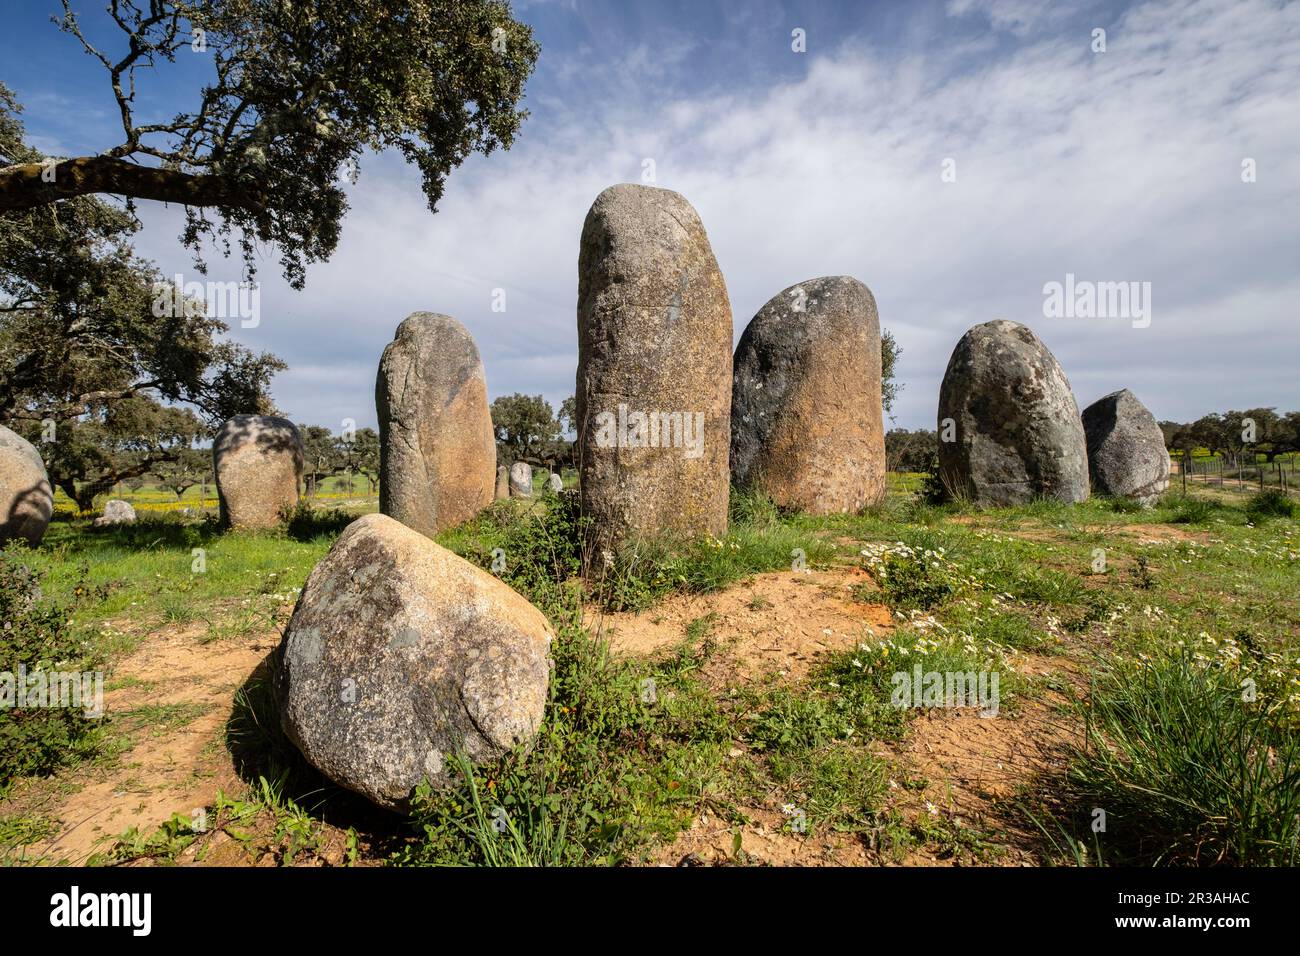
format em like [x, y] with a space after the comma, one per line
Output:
[297, 93]
[361, 455]
[1179, 438]
[1211, 432]
[321, 455]
[526, 429]
[1289, 439]
[188, 469]
[113, 442]
[889, 386]
[568, 416]
[1272, 431]
[911, 451]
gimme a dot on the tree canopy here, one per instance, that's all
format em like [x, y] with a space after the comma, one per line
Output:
[298, 91]
[78, 324]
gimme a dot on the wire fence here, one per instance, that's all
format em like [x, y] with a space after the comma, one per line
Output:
[1242, 472]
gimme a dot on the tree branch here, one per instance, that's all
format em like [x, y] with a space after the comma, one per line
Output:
[22, 186]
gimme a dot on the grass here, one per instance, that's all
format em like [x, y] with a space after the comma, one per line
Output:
[632, 750]
[1184, 768]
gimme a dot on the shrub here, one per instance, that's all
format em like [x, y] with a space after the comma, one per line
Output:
[537, 550]
[911, 577]
[577, 796]
[35, 637]
[1188, 510]
[302, 522]
[1187, 770]
[1272, 503]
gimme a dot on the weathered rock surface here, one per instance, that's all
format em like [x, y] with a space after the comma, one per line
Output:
[554, 483]
[1017, 434]
[1126, 448]
[116, 511]
[503, 482]
[258, 461]
[437, 450]
[400, 655]
[26, 498]
[654, 370]
[521, 480]
[807, 426]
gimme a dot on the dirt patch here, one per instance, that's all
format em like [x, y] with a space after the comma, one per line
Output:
[1155, 533]
[778, 622]
[764, 840]
[973, 766]
[174, 698]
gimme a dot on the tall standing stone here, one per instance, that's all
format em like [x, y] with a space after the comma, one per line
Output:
[1009, 427]
[258, 461]
[26, 498]
[1127, 457]
[654, 370]
[807, 425]
[503, 482]
[437, 454]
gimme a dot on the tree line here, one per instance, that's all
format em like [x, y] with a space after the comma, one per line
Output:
[1232, 435]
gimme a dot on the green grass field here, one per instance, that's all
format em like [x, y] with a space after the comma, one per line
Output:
[1157, 649]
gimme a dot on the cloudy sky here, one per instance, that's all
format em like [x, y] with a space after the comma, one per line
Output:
[1117, 166]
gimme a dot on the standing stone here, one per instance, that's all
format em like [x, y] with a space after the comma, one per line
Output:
[521, 480]
[807, 425]
[1126, 449]
[258, 460]
[26, 498]
[117, 511]
[437, 448]
[399, 655]
[554, 483]
[654, 370]
[503, 482]
[1012, 419]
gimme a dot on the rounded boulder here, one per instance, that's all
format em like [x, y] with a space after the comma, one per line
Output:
[807, 425]
[258, 461]
[401, 655]
[1009, 426]
[1127, 457]
[26, 498]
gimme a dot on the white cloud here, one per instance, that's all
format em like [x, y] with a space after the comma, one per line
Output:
[1116, 166]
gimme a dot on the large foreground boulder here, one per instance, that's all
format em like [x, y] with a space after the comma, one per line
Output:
[654, 370]
[400, 655]
[1126, 449]
[807, 425]
[1012, 419]
[258, 461]
[26, 498]
[437, 460]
